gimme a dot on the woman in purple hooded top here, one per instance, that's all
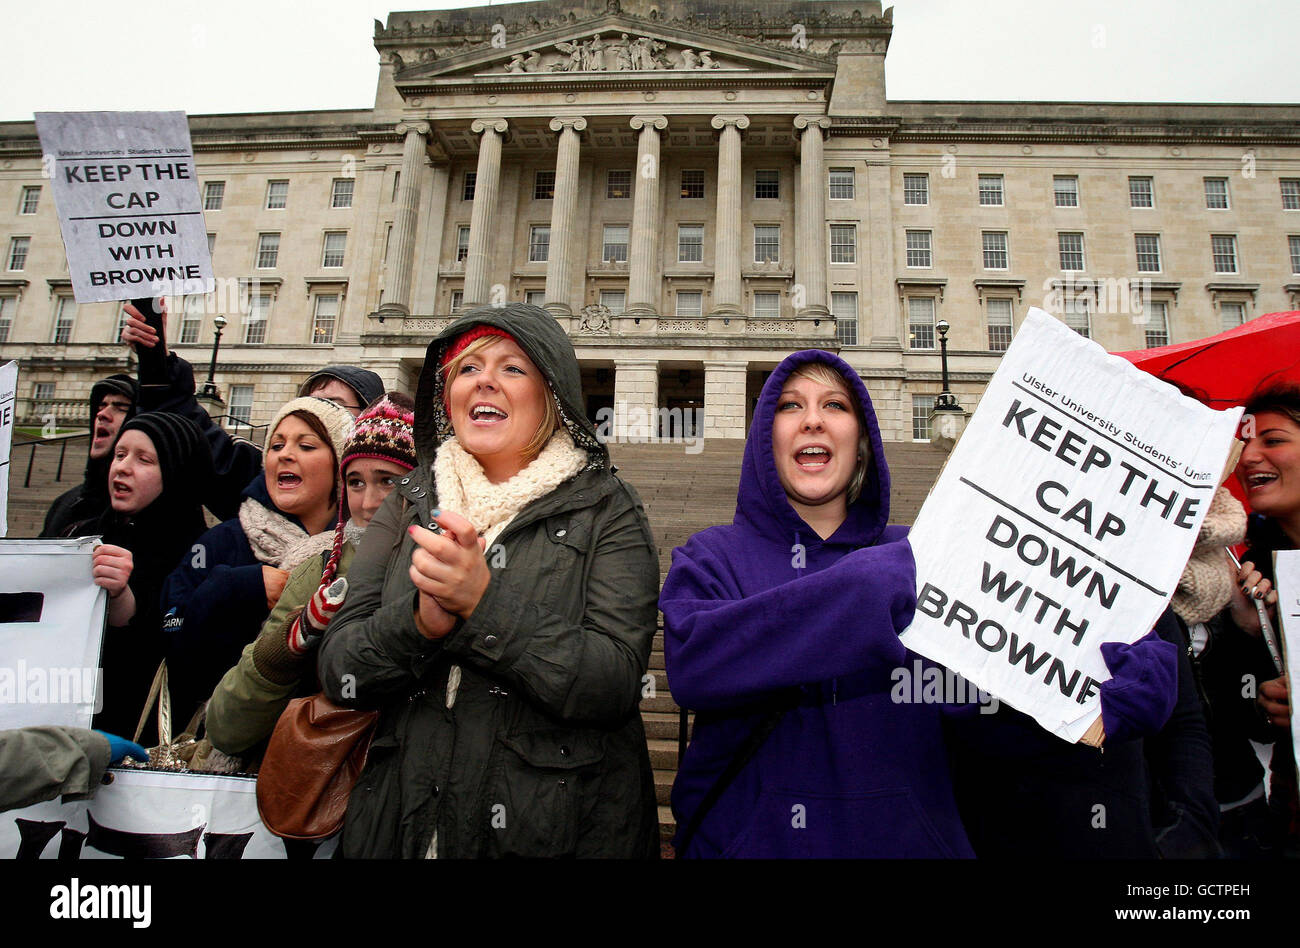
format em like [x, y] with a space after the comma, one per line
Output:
[798, 604]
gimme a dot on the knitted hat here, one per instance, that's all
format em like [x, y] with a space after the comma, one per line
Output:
[113, 385]
[385, 430]
[335, 419]
[183, 455]
[1206, 584]
[477, 332]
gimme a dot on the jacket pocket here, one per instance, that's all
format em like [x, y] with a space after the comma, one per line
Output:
[534, 804]
[370, 827]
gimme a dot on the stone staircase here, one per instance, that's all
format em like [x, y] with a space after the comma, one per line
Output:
[27, 505]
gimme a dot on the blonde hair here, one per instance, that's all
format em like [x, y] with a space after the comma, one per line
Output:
[550, 414]
[823, 374]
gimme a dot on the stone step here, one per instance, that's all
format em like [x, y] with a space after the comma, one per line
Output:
[667, 825]
[663, 786]
[662, 701]
[663, 725]
[663, 754]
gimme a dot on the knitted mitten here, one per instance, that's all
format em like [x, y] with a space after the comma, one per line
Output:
[313, 619]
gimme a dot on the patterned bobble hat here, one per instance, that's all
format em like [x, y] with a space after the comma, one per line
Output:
[385, 430]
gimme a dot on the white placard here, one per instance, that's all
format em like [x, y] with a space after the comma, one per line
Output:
[128, 200]
[1286, 569]
[8, 407]
[51, 629]
[1063, 519]
[145, 814]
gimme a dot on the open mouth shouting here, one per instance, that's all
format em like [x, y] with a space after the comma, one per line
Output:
[1259, 480]
[288, 480]
[487, 414]
[813, 458]
[121, 489]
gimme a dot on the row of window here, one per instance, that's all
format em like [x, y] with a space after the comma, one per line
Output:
[618, 184]
[1065, 191]
[267, 257]
[277, 194]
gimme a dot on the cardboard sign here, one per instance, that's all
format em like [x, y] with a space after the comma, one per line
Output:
[145, 814]
[128, 200]
[8, 407]
[1286, 568]
[51, 628]
[1063, 519]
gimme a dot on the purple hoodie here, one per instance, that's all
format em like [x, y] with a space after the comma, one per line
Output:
[848, 772]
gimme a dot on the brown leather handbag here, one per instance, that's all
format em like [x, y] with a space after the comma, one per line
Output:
[315, 755]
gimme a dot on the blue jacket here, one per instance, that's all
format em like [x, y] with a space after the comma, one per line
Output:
[213, 603]
[764, 605]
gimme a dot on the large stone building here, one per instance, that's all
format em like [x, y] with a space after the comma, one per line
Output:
[695, 190]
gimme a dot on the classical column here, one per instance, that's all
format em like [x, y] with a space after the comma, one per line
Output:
[724, 399]
[726, 256]
[810, 219]
[398, 289]
[487, 185]
[559, 292]
[643, 266]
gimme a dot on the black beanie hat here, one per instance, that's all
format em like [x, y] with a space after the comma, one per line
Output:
[365, 383]
[183, 454]
[113, 385]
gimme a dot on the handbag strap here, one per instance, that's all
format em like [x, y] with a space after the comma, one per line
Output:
[744, 753]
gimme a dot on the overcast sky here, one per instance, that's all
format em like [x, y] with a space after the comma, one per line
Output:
[273, 55]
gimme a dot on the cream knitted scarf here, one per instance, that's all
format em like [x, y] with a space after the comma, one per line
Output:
[1206, 583]
[276, 540]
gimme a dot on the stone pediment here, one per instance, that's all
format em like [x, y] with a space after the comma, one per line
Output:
[618, 47]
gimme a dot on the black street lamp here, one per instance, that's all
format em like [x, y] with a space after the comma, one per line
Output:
[946, 401]
[210, 387]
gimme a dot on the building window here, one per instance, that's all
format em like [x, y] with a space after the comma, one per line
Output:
[844, 243]
[1148, 252]
[212, 243]
[922, 405]
[65, 314]
[692, 184]
[1290, 194]
[690, 243]
[543, 185]
[1071, 248]
[397, 183]
[618, 184]
[539, 243]
[844, 307]
[841, 184]
[462, 242]
[918, 248]
[767, 243]
[991, 190]
[457, 300]
[1000, 327]
[259, 307]
[1231, 315]
[767, 184]
[1224, 248]
[268, 251]
[341, 195]
[1216, 193]
[690, 303]
[191, 320]
[1065, 188]
[467, 188]
[614, 247]
[535, 297]
[614, 300]
[241, 403]
[214, 194]
[277, 195]
[995, 249]
[7, 306]
[18, 247]
[1141, 192]
[1076, 316]
[1294, 241]
[336, 243]
[920, 322]
[767, 305]
[916, 189]
[327, 314]
[31, 199]
[1157, 324]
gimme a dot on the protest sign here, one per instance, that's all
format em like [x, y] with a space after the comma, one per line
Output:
[8, 405]
[1286, 570]
[51, 627]
[128, 201]
[1063, 519]
[149, 814]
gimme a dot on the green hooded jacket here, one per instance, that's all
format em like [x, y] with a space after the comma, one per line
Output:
[542, 752]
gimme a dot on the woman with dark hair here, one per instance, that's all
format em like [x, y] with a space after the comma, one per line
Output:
[216, 600]
[499, 615]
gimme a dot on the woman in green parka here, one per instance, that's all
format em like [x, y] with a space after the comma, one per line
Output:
[500, 613]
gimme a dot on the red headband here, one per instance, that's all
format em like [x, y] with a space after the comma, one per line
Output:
[478, 332]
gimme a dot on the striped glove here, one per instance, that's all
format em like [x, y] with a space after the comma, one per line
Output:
[314, 618]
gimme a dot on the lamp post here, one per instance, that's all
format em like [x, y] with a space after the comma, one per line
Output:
[946, 399]
[210, 387]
